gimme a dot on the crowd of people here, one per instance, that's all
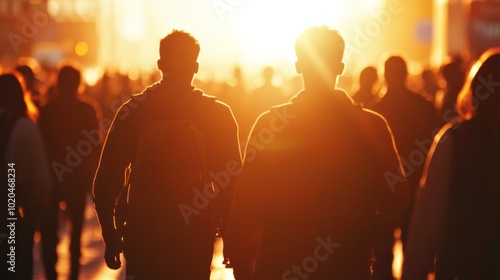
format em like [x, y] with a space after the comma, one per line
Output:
[305, 186]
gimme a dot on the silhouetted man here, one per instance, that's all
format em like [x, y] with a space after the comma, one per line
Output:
[312, 193]
[169, 233]
[366, 94]
[267, 95]
[66, 124]
[412, 120]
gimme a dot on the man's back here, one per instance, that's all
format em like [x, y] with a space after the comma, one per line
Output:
[312, 182]
[190, 236]
[64, 124]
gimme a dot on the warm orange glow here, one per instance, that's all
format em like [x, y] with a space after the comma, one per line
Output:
[92, 76]
[397, 263]
[62, 205]
[250, 33]
[81, 48]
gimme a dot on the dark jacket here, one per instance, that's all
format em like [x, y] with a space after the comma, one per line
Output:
[314, 191]
[70, 132]
[219, 128]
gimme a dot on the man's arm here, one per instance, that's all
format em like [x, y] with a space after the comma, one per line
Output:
[392, 190]
[109, 179]
[227, 164]
[246, 217]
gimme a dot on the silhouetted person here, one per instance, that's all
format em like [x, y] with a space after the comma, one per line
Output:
[168, 233]
[312, 193]
[457, 216]
[234, 93]
[71, 134]
[263, 98]
[412, 120]
[30, 81]
[430, 85]
[455, 78]
[25, 171]
[367, 95]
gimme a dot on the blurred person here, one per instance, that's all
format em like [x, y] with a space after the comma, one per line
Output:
[456, 221]
[262, 98]
[430, 85]
[234, 93]
[26, 169]
[30, 81]
[71, 133]
[312, 194]
[367, 95]
[162, 236]
[413, 121]
[455, 77]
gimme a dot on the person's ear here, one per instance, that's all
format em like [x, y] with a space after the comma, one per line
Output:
[196, 67]
[159, 64]
[341, 68]
[298, 67]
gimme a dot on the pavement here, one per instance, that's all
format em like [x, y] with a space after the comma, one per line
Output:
[92, 260]
[93, 266]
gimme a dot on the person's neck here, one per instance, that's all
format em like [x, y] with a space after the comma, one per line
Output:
[172, 81]
[319, 84]
[397, 87]
[320, 88]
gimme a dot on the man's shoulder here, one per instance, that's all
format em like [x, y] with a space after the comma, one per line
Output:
[373, 122]
[280, 114]
[75, 105]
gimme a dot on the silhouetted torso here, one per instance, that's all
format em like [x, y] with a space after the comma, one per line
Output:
[470, 245]
[166, 241]
[311, 185]
[63, 123]
[412, 119]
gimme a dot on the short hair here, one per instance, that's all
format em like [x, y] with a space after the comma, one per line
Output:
[395, 67]
[368, 76]
[318, 45]
[179, 47]
[471, 97]
[12, 94]
[68, 80]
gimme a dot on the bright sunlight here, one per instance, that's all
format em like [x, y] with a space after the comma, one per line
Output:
[231, 32]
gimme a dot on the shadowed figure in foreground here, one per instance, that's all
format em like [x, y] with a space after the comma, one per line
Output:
[457, 215]
[312, 194]
[182, 152]
[25, 171]
[71, 135]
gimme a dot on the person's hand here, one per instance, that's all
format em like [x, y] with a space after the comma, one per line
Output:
[114, 246]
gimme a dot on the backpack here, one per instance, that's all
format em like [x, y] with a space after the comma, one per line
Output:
[170, 165]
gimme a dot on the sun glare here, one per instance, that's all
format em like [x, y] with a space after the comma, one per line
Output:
[248, 33]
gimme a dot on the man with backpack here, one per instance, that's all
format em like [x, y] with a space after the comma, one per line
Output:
[313, 196]
[179, 151]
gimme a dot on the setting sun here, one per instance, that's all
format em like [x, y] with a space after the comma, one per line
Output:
[250, 33]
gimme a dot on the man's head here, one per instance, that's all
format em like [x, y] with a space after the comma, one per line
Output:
[178, 54]
[319, 53]
[68, 80]
[395, 71]
[368, 77]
